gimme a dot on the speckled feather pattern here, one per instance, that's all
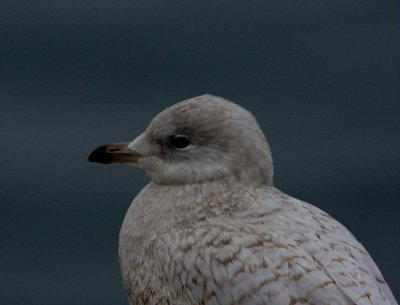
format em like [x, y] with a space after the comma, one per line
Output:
[231, 237]
[250, 246]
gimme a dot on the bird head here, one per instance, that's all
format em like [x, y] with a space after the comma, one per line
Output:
[201, 139]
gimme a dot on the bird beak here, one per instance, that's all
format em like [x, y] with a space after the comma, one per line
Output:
[114, 153]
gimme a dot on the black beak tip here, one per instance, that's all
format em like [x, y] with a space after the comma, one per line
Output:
[100, 155]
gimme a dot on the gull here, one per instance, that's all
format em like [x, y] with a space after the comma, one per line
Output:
[211, 229]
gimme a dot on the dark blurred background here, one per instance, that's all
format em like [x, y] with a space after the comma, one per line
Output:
[322, 77]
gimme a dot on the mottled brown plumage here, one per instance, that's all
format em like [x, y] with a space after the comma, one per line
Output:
[212, 229]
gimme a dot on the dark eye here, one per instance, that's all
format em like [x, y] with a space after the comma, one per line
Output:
[180, 141]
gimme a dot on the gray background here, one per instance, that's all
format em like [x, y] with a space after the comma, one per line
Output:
[322, 77]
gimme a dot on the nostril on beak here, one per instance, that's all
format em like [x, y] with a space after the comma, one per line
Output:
[116, 152]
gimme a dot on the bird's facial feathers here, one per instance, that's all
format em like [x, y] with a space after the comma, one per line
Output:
[202, 139]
